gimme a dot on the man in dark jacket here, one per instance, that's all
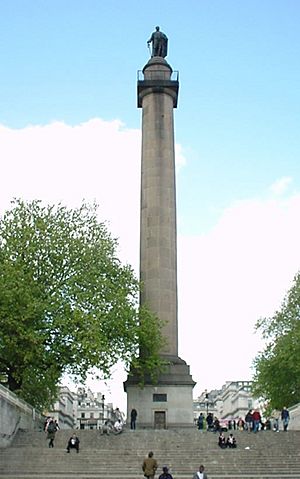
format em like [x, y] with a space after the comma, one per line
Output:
[249, 420]
[133, 416]
[285, 417]
[165, 474]
[51, 429]
[73, 443]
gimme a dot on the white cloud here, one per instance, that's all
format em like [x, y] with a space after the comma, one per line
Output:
[228, 278]
[280, 186]
[237, 273]
[96, 160]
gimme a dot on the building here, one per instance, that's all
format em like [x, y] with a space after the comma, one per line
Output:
[233, 401]
[205, 403]
[64, 408]
[91, 409]
[81, 410]
[236, 400]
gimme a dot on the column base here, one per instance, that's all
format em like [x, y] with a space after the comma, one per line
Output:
[166, 404]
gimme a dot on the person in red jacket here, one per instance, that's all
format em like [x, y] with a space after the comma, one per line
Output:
[256, 418]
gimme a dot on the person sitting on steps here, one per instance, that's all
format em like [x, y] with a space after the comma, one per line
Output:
[106, 428]
[231, 442]
[73, 443]
[222, 441]
[118, 427]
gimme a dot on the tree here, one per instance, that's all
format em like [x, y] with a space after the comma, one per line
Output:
[277, 368]
[67, 304]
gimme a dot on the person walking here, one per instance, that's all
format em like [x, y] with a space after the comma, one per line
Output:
[209, 421]
[51, 429]
[201, 474]
[249, 420]
[256, 418]
[285, 417]
[133, 416]
[149, 466]
[200, 422]
[276, 422]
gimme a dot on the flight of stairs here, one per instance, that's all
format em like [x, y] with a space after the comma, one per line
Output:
[265, 455]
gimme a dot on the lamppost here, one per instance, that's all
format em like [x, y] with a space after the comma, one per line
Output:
[206, 401]
[103, 398]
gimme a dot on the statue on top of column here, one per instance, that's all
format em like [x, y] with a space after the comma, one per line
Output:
[159, 43]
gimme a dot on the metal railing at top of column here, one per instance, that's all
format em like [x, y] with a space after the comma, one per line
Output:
[158, 74]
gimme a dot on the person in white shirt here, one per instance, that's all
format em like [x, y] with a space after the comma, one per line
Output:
[231, 441]
[200, 474]
[118, 426]
[73, 443]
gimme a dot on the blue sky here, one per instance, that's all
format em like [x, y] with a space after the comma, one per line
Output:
[238, 115]
[68, 76]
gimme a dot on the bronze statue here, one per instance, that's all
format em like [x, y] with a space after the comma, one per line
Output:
[159, 43]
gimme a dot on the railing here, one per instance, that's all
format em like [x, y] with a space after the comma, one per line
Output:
[15, 414]
[12, 398]
[157, 73]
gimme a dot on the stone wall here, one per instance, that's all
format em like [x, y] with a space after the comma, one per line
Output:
[294, 417]
[15, 414]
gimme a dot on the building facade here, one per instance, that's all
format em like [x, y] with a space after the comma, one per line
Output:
[81, 410]
[232, 401]
[91, 409]
[64, 408]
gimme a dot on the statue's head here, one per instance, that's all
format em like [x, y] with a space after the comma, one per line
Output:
[157, 29]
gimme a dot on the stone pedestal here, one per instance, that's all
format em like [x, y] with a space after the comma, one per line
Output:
[171, 398]
[166, 404]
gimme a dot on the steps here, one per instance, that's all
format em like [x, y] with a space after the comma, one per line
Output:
[265, 455]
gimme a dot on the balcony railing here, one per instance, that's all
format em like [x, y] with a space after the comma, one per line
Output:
[158, 74]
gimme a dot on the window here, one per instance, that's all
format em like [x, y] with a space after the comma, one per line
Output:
[83, 415]
[159, 398]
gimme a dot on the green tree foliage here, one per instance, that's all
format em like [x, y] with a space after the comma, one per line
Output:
[277, 368]
[67, 304]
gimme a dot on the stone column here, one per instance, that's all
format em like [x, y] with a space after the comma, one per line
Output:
[169, 402]
[157, 95]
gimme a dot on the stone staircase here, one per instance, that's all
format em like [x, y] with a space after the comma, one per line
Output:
[265, 455]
